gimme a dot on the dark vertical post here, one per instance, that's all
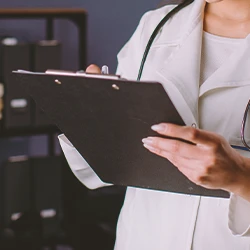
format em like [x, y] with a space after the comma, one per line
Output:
[49, 28]
[50, 36]
[81, 22]
[51, 144]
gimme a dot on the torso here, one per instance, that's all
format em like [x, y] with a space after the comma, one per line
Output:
[160, 220]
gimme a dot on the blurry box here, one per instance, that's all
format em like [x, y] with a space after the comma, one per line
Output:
[16, 189]
[48, 191]
[17, 105]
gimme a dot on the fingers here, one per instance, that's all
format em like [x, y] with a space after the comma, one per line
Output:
[182, 163]
[93, 69]
[190, 134]
[191, 168]
[177, 147]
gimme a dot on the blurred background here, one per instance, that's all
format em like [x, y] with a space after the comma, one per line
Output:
[42, 205]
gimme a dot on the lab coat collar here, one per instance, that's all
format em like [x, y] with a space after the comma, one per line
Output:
[181, 69]
[180, 25]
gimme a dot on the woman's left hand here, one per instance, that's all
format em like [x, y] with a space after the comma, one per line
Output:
[204, 157]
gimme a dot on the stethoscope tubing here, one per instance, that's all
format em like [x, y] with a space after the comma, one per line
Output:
[156, 31]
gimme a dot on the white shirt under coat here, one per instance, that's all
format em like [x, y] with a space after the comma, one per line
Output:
[154, 220]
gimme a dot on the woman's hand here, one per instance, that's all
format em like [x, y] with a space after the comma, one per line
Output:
[208, 161]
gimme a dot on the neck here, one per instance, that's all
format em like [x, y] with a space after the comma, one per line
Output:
[234, 10]
[228, 18]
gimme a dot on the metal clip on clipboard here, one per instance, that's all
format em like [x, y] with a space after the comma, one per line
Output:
[72, 73]
[82, 74]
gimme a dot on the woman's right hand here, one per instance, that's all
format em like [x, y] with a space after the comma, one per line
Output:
[93, 69]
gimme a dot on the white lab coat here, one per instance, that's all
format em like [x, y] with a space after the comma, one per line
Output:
[153, 220]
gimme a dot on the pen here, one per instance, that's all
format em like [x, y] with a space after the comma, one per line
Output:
[105, 70]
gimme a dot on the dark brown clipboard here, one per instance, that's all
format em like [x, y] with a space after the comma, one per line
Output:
[106, 119]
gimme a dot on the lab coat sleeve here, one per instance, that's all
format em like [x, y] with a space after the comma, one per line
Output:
[239, 212]
[79, 165]
[239, 216]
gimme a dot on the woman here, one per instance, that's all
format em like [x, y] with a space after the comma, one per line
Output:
[202, 58]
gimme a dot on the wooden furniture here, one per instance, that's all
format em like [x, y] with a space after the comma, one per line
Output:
[79, 18]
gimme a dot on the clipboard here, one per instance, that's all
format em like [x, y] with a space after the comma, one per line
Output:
[105, 119]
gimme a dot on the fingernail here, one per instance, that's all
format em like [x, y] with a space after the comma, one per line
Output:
[147, 141]
[149, 147]
[159, 127]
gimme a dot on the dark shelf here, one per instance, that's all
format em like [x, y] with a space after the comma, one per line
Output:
[40, 12]
[76, 15]
[79, 17]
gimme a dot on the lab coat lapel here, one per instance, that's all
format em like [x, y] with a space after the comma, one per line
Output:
[235, 72]
[180, 72]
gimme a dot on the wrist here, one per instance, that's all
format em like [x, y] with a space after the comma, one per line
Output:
[242, 185]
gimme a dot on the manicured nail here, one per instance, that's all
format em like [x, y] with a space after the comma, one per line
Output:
[148, 141]
[149, 147]
[159, 127]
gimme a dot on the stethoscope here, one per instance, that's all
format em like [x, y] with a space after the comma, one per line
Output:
[156, 31]
[146, 52]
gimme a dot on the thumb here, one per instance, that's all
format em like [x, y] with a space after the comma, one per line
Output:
[93, 69]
